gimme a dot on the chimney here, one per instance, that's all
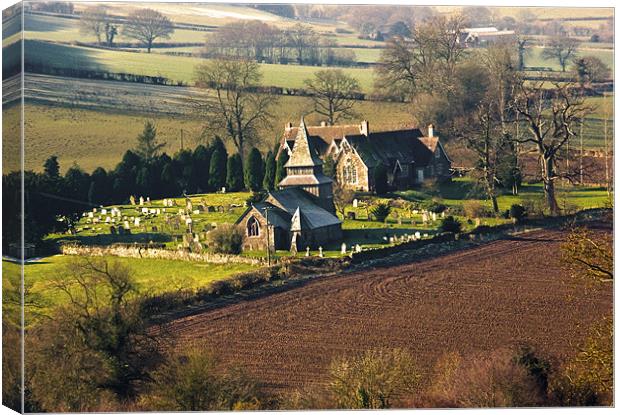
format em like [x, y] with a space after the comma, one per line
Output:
[323, 123]
[288, 125]
[430, 130]
[364, 128]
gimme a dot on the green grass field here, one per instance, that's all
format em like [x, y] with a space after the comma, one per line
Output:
[152, 276]
[176, 68]
[93, 138]
[534, 58]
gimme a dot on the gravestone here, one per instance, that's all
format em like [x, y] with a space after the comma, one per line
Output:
[126, 224]
[351, 215]
[321, 251]
[417, 235]
[132, 200]
[136, 222]
[141, 201]
[355, 203]
[343, 248]
[104, 211]
[188, 205]
[148, 200]
[307, 251]
[358, 248]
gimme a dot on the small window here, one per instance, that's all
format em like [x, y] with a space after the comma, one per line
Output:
[253, 227]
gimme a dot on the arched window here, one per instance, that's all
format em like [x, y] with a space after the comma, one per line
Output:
[253, 227]
[350, 172]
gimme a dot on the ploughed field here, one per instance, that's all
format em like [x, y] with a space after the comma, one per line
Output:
[500, 294]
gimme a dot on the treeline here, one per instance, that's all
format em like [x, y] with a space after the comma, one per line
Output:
[267, 43]
[54, 201]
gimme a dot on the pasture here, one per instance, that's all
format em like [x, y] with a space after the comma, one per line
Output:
[152, 276]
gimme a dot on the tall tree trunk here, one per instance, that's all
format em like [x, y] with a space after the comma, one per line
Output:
[549, 184]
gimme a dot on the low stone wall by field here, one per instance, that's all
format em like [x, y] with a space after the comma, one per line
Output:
[129, 251]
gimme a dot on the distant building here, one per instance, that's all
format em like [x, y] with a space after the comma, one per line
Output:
[301, 214]
[482, 36]
[409, 157]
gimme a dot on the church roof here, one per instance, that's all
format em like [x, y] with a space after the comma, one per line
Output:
[303, 153]
[313, 216]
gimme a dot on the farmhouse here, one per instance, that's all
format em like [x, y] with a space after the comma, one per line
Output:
[482, 36]
[301, 213]
[409, 157]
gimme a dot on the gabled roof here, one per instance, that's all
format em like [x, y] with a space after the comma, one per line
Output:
[303, 153]
[312, 215]
[277, 217]
[404, 146]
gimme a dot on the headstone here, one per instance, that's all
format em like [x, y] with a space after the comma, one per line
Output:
[141, 201]
[136, 221]
[400, 220]
[307, 251]
[343, 248]
[358, 248]
[196, 212]
[153, 211]
[425, 235]
[417, 235]
[148, 200]
[443, 214]
[188, 205]
[477, 221]
[104, 211]
[126, 225]
[351, 215]
[94, 210]
[107, 219]
[132, 200]
[424, 218]
[355, 203]
[145, 210]
[223, 190]
[91, 215]
[321, 251]
[434, 216]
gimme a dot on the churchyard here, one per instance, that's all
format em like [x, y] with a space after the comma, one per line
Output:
[183, 223]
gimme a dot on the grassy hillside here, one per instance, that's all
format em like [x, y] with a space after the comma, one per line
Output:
[93, 138]
[177, 68]
[151, 275]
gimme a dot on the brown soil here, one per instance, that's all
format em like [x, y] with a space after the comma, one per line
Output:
[496, 295]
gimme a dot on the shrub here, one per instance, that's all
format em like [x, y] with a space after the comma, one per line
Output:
[225, 239]
[435, 206]
[450, 224]
[482, 381]
[381, 211]
[372, 380]
[517, 212]
[191, 381]
[475, 209]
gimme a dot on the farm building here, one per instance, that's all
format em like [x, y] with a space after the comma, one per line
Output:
[301, 213]
[409, 157]
[482, 36]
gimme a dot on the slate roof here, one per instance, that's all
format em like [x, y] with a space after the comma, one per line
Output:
[313, 216]
[406, 146]
[303, 154]
[322, 136]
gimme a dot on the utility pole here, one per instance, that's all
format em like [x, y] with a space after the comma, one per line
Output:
[267, 208]
[181, 139]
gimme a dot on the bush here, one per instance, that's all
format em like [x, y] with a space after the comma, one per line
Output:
[225, 239]
[475, 209]
[450, 224]
[517, 212]
[372, 380]
[482, 381]
[435, 206]
[381, 211]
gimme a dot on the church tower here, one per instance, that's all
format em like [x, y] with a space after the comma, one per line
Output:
[305, 169]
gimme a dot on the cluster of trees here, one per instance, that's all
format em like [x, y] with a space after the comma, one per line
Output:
[143, 25]
[263, 42]
[482, 99]
[62, 7]
[54, 201]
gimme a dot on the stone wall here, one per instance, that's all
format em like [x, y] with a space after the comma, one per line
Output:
[159, 253]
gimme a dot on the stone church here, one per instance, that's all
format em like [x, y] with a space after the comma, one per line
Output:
[301, 213]
[409, 156]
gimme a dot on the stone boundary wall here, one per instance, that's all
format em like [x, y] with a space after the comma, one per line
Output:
[159, 253]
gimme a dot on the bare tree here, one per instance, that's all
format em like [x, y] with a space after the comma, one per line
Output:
[146, 25]
[561, 48]
[235, 111]
[93, 22]
[333, 94]
[427, 62]
[302, 38]
[551, 116]
[589, 255]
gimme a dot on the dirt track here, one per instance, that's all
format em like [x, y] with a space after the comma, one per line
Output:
[499, 294]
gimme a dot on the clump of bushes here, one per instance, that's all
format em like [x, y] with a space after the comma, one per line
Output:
[435, 206]
[381, 211]
[225, 239]
[517, 212]
[450, 224]
[475, 209]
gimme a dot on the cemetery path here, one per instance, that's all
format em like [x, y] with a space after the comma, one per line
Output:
[500, 294]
